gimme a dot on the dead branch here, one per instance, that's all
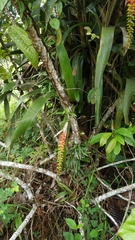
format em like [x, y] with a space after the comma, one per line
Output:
[113, 192]
[24, 223]
[30, 168]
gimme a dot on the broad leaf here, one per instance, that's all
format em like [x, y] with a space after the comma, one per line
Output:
[120, 139]
[130, 141]
[71, 223]
[117, 148]
[26, 121]
[127, 231]
[124, 132]
[104, 138]
[77, 236]
[111, 145]
[23, 42]
[96, 138]
[68, 236]
[55, 23]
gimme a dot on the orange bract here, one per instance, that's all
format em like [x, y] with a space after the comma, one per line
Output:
[131, 1]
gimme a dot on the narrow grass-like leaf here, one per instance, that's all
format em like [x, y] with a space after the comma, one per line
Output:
[106, 41]
[23, 42]
[6, 108]
[128, 95]
[26, 121]
[66, 71]
[77, 67]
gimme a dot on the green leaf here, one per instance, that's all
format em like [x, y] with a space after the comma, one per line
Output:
[94, 233]
[68, 236]
[8, 87]
[80, 225]
[132, 129]
[77, 72]
[124, 132]
[111, 145]
[18, 221]
[3, 73]
[117, 148]
[91, 96]
[26, 121]
[23, 42]
[130, 141]
[2, 4]
[64, 187]
[55, 23]
[128, 95]
[127, 231]
[49, 5]
[120, 139]
[96, 138]
[71, 223]
[59, 8]
[106, 41]
[66, 70]
[6, 108]
[104, 138]
[78, 236]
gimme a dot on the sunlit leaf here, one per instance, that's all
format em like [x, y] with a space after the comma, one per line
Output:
[104, 138]
[117, 148]
[124, 132]
[111, 145]
[120, 139]
[96, 138]
[127, 231]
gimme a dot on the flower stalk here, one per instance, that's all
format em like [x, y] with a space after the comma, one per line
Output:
[61, 148]
[130, 21]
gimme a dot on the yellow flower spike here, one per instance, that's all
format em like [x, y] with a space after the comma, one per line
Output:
[130, 21]
[61, 148]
